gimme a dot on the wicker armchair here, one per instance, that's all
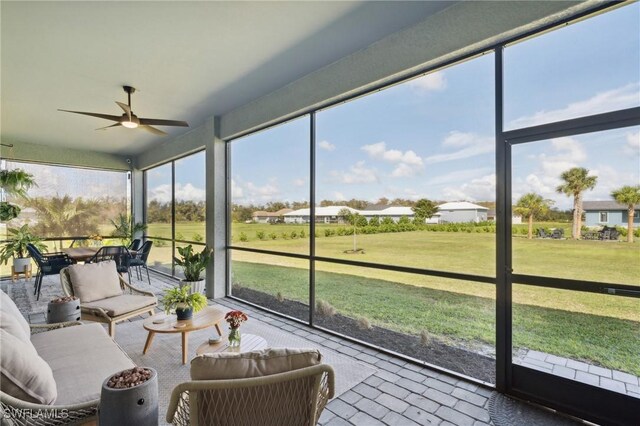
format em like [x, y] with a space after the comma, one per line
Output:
[295, 397]
[105, 313]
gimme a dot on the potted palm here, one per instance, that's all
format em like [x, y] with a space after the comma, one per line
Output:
[193, 264]
[126, 229]
[184, 302]
[16, 248]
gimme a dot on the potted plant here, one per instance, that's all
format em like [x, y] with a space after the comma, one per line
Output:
[192, 265]
[126, 230]
[184, 302]
[14, 182]
[16, 247]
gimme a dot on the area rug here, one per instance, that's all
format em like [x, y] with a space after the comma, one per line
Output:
[165, 355]
[505, 411]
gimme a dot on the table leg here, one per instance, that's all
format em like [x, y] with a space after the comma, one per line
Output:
[148, 342]
[218, 330]
[185, 346]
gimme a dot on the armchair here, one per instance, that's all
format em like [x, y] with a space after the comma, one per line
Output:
[104, 295]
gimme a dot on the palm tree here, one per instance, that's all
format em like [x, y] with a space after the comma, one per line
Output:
[532, 206]
[576, 181]
[630, 196]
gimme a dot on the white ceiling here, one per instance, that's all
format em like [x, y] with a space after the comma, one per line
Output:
[188, 60]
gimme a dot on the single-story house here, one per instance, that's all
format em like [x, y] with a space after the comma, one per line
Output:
[462, 212]
[328, 214]
[269, 217]
[515, 219]
[392, 212]
[609, 213]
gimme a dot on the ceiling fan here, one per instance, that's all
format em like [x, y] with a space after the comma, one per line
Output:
[130, 120]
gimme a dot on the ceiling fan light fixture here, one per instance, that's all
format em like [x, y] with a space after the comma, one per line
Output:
[129, 124]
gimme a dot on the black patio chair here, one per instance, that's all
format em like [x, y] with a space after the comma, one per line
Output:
[135, 244]
[119, 254]
[542, 233]
[140, 260]
[557, 234]
[48, 264]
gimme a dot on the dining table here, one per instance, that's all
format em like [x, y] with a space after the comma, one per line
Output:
[82, 254]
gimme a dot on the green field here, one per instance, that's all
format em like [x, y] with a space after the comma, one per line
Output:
[596, 328]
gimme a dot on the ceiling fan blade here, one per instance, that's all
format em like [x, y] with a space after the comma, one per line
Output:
[152, 130]
[95, 114]
[106, 127]
[159, 122]
[126, 108]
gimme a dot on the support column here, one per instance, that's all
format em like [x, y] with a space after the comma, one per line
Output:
[216, 219]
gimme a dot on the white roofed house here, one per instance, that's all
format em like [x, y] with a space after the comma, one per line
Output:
[269, 217]
[328, 214]
[462, 212]
[393, 212]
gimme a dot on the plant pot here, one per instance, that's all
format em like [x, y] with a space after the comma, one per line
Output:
[21, 264]
[184, 312]
[195, 286]
[137, 405]
[62, 312]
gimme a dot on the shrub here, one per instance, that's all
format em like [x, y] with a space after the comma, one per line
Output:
[273, 235]
[280, 297]
[329, 232]
[341, 231]
[374, 221]
[160, 243]
[294, 235]
[179, 236]
[284, 236]
[364, 324]
[197, 238]
[243, 237]
[260, 235]
[404, 220]
[387, 221]
[325, 309]
[425, 338]
[303, 234]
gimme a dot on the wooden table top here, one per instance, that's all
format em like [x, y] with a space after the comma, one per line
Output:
[248, 343]
[207, 317]
[81, 254]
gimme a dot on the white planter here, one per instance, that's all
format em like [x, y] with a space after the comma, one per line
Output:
[196, 286]
[20, 264]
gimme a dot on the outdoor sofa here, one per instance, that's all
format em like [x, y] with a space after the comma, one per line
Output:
[52, 374]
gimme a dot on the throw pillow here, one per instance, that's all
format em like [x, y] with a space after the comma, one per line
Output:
[95, 281]
[11, 319]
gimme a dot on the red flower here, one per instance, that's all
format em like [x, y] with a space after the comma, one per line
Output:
[235, 318]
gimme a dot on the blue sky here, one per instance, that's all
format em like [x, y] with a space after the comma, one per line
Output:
[433, 137]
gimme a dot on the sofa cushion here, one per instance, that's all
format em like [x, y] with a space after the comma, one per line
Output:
[25, 375]
[11, 319]
[95, 281]
[122, 304]
[234, 365]
[81, 357]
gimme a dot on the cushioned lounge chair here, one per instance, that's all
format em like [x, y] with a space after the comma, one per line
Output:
[102, 299]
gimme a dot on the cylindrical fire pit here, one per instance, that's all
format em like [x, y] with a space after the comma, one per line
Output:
[130, 397]
[63, 309]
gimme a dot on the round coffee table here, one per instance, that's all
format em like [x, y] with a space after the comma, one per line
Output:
[248, 343]
[207, 317]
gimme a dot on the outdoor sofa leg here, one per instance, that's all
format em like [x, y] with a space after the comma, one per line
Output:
[112, 330]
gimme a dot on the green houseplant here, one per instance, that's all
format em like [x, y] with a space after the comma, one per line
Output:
[126, 229]
[183, 301]
[16, 247]
[14, 182]
[193, 264]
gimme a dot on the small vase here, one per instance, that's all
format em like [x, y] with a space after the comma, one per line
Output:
[234, 337]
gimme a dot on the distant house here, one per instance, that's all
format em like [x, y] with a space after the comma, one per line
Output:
[609, 213]
[327, 214]
[392, 212]
[515, 219]
[462, 212]
[269, 217]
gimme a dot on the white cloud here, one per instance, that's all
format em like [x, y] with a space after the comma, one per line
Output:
[430, 82]
[480, 189]
[236, 190]
[470, 145]
[299, 182]
[632, 147]
[464, 175]
[161, 193]
[326, 145]
[339, 196]
[266, 191]
[611, 100]
[408, 163]
[189, 192]
[568, 153]
[358, 173]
